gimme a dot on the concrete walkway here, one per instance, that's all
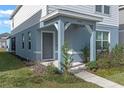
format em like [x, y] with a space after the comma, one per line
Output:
[89, 77]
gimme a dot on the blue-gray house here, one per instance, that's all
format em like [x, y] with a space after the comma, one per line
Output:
[38, 32]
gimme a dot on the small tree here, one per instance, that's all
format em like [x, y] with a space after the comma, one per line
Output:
[67, 58]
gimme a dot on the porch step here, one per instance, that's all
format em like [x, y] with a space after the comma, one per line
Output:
[46, 63]
[77, 66]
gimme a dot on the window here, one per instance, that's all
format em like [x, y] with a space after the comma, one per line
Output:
[106, 9]
[103, 9]
[98, 8]
[13, 44]
[23, 39]
[102, 40]
[29, 40]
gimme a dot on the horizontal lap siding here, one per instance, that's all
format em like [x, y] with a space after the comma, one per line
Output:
[121, 37]
[35, 52]
[121, 26]
[26, 12]
[29, 15]
[121, 16]
[113, 19]
[77, 8]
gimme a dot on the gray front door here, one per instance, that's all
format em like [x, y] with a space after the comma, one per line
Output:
[47, 45]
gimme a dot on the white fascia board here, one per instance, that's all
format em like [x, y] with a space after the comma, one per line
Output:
[50, 16]
[15, 11]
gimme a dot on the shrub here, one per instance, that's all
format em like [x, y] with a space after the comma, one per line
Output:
[92, 66]
[104, 60]
[51, 69]
[109, 59]
[118, 54]
[39, 70]
[85, 54]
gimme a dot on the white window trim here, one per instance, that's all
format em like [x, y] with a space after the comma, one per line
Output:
[105, 31]
[23, 41]
[109, 35]
[97, 11]
[109, 11]
[29, 40]
[54, 45]
[102, 13]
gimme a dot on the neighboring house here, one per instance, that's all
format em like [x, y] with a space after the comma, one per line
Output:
[38, 32]
[121, 24]
[4, 40]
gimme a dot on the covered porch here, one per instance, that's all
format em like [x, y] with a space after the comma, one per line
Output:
[78, 30]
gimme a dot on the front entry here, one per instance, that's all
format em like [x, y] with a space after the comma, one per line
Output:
[48, 45]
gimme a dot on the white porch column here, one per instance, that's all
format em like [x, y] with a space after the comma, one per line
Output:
[60, 41]
[92, 42]
[93, 46]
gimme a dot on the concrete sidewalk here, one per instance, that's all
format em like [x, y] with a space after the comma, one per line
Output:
[89, 77]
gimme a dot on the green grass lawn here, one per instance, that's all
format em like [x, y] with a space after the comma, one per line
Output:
[13, 73]
[115, 74]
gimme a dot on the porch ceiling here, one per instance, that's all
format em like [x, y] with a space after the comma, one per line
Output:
[71, 14]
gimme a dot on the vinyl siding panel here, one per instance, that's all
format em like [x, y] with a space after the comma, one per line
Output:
[121, 26]
[77, 8]
[121, 16]
[26, 12]
[112, 19]
[121, 36]
[35, 43]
